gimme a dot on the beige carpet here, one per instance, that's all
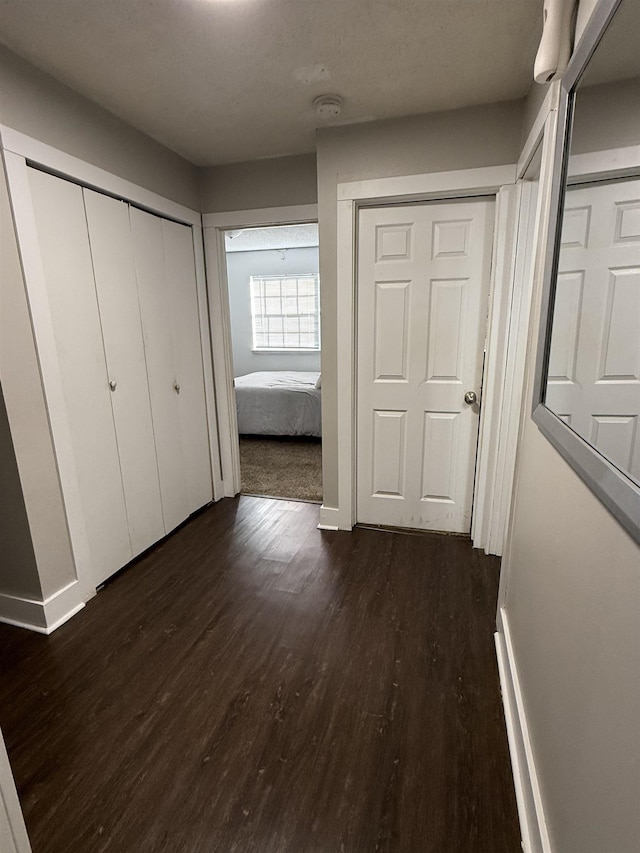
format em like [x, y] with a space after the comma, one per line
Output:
[281, 467]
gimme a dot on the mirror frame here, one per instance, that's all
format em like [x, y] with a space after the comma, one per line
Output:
[618, 492]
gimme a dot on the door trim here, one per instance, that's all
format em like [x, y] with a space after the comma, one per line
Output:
[496, 181]
[13, 832]
[215, 224]
[490, 457]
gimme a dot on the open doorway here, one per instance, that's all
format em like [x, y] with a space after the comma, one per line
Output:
[274, 310]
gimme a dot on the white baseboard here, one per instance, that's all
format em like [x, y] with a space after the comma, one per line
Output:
[23, 612]
[42, 616]
[62, 605]
[329, 517]
[535, 837]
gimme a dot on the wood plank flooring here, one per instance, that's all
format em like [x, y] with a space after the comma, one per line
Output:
[254, 684]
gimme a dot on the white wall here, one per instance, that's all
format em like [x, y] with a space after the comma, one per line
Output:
[571, 576]
[240, 267]
[531, 108]
[607, 116]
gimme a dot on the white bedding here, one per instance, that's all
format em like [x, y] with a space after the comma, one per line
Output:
[278, 403]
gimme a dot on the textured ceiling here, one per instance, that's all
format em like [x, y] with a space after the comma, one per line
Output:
[229, 80]
[276, 237]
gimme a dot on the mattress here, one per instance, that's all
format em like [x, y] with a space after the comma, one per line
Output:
[278, 403]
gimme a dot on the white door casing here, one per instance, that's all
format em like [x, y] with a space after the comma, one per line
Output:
[594, 360]
[423, 277]
[215, 225]
[13, 832]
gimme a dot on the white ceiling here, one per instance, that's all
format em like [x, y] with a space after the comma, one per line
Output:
[230, 80]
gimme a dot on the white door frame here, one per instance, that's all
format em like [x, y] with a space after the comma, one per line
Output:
[20, 150]
[497, 181]
[13, 832]
[493, 525]
[215, 224]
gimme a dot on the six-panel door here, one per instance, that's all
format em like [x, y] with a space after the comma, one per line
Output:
[423, 275]
[594, 363]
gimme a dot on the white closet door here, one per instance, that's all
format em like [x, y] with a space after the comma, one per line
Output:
[156, 309]
[66, 260]
[117, 290]
[181, 278]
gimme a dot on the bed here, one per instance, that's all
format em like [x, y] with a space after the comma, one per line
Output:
[278, 403]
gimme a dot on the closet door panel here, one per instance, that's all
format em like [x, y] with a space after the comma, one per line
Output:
[66, 260]
[156, 309]
[117, 291]
[181, 278]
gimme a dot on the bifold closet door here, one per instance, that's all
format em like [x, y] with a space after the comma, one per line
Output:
[156, 309]
[187, 350]
[117, 291]
[67, 266]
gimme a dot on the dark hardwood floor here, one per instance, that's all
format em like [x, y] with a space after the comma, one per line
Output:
[254, 684]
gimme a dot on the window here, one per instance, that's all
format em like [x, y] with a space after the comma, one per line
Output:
[285, 312]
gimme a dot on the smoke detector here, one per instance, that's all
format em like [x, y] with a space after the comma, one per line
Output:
[328, 106]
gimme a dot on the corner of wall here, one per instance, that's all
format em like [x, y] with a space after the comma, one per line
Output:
[38, 583]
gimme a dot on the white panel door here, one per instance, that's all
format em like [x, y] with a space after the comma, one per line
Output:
[423, 276]
[156, 309]
[117, 290]
[181, 279]
[594, 361]
[66, 259]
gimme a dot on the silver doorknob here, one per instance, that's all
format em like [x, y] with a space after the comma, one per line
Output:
[470, 398]
[113, 384]
[176, 387]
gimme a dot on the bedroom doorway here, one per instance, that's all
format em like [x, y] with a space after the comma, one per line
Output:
[274, 332]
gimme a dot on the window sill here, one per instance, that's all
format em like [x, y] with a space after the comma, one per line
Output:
[289, 350]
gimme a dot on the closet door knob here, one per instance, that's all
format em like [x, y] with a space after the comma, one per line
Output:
[113, 384]
[176, 387]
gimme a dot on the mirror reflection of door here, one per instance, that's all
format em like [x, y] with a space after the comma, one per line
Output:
[594, 364]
